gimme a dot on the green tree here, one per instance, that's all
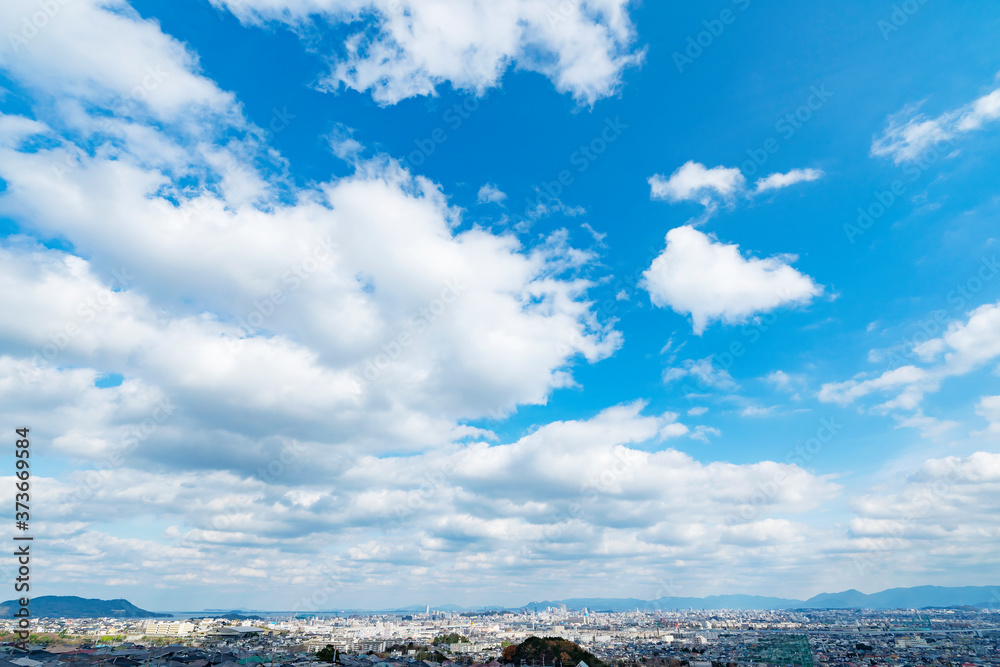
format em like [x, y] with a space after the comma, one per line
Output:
[453, 638]
[549, 650]
[328, 654]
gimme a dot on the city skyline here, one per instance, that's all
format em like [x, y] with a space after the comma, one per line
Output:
[442, 300]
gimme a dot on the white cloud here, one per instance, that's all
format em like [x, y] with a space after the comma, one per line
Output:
[719, 186]
[943, 512]
[757, 411]
[598, 236]
[989, 409]
[105, 54]
[930, 427]
[349, 308]
[790, 383]
[704, 372]
[910, 133]
[702, 432]
[403, 48]
[700, 276]
[343, 144]
[779, 181]
[849, 391]
[468, 513]
[692, 181]
[490, 193]
[964, 347]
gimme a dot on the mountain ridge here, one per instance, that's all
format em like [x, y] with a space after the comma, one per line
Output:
[71, 606]
[916, 597]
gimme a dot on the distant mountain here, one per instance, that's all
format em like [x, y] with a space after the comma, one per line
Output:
[911, 598]
[237, 616]
[70, 606]
[917, 597]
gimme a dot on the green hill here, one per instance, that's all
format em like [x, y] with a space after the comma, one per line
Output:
[549, 650]
[70, 606]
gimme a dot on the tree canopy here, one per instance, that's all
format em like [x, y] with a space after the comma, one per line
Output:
[327, 654]
[549, 650]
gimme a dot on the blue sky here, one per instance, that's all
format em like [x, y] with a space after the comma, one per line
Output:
[324, 304]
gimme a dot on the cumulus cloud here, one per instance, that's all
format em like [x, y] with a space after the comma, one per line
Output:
[719, 186]
[709, 280]
[909, 133]
[404, 48]
[694, 182]
[565, 491]
[349, 309]
[105, 54]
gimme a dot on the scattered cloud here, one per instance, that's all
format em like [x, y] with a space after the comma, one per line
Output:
[719, 186]
[930, 427]
[490, 193]
[705, 373]
[757, 411]
[989, 409]
[964, 346]
[396, 49]
[598, 236]
[343, 144]
[694, 182]
[702, 433]
[910, 133]
[789, 383]
[779, 181]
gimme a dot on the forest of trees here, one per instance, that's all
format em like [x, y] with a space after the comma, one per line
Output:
[549, 651]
